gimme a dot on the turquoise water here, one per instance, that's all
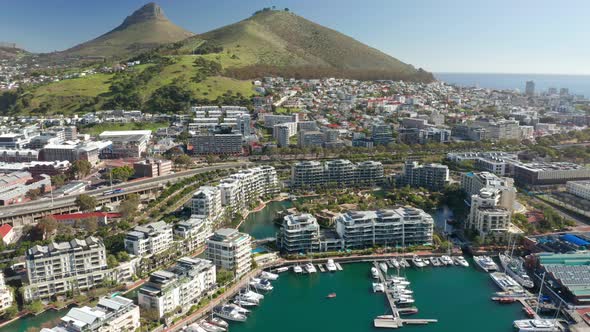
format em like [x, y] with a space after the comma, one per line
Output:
[260, 224]
[48, 318]
[458, 297]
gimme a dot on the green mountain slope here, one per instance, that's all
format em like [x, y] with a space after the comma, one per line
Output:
[145, 29]
[10, 53]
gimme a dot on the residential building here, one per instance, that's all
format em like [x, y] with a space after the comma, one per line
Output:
[493, 161]
[89, 151]
[310, 139]
[149, 239]
[206, 202]
[223, 144]
[7, 234]
[193, 231]
[307, 174]
[400, 227]
[299, 234]
[342, 173]
[429, 176]
[230, 250]
[282, 133]
[66, 266]
[6, 294]
[127, 143]
[382, 134]
[111, 314]
[473, 183]
[578, 188]
[271, 120]
[529, 89]
[152, 168]
[486, 215]
[368, 173]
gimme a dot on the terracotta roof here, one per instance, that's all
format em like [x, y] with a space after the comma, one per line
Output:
[4, 230]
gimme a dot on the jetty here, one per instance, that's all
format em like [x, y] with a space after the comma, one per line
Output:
[338, 266]
[395, 321]
[321, 267]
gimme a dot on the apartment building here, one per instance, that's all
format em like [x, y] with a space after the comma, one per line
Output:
[152, 168]
[230, 250]
[579, 188]
[486, 214]
[207, 202]
[111, 314]
[429, 176]
[61, 267]
[271, 120]
[341, 173]
[473, 183]
[223, 144]
[181, 286]
[307, 174]
[283, 132]
[193, 232]
[17, 156]
[6, 295]
[310, 139]
[381, 134]
[368, 173]
[149, 239]
[299, 233]
[400, 227]
[493, 162]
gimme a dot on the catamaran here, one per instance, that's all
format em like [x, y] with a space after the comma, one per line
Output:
[486, 263]
[310, 268]
[331, 266]
[538, 325]
[513, 267]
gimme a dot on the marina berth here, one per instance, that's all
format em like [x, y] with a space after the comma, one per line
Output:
[374, 273]
[486, 263]
[446, 260]
[297, 269]
[418, 262]
[228, 312]
[309, 268]
[513, 267]
[435, 261]
[219, 323]
[460, 260]
[383, 267]
[269, 275]
[331, 266]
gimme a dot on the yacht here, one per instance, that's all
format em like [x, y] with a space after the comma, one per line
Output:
[418, 261]
[195, 328]
[435, 261]
[282, 269]
[309, 268]
[506, 283]
[229, 313]
[245, 301]
[378, 287]
[540, 325]
[513, 267]
[374, 273]
[460, 260]
[268, 275]
[486, 263]
[403, 262]
[395, 263]
[297, 269]
[219, 322]
[238, 309]
[383, 267]
[210, 327]
[446, 260]
[262, 284]
[404, 301]
[331, 266]
[250, 294]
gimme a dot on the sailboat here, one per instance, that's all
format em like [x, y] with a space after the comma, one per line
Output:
[513, 267]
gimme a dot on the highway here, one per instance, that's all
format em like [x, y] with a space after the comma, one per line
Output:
[65, 201]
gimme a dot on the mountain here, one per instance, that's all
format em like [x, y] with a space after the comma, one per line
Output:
[9, 51]
[147, 28]
[282, 43]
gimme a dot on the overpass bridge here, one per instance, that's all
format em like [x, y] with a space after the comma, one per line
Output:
[30, 212]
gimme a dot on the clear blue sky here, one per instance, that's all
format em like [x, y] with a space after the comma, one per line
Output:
[505, 36]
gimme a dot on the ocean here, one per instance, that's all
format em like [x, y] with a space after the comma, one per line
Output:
[577, 84]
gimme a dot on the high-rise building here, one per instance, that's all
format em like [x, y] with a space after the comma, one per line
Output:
[230, 250]
[181, 286]
[342, 173]
[149, 239]
[193, 231]
[429, 176]
[307, 174]
[382, 134]
[473, 183]
[530, 88]
[299, 234]
[486, 215]
[206, 202]
[6, 294]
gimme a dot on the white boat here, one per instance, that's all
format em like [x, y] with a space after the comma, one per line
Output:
[282, 269]
[194, 327]
[210, 327]
[250, 294]
[297, 269]
[383, 267]
[460, 260]
[238, 309]
[395, 263]
[378, 287]
[404, 301]
[401, 283]
[229, 313]
[403, 262]
[309, 268]
[374, 273]
[486, 263]
[513, 267]
[506, 283]
[446, 260]
[538, 325]
[261, 284]
[245, 301]
[268, 275]
[219, 322]
[435, 261]
[418, 261]
[331, 266]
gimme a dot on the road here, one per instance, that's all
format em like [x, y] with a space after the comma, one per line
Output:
[562, 212]
[46, 203]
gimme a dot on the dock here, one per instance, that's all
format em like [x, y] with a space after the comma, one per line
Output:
[321, 267]
[338, 266]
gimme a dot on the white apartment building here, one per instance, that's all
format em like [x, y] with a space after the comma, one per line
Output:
[111, 314]
[299, 233]
[271, 120]
[193, 231]
[6, 295]
[579, 188]
[60, 267]
[230, 250]
[180, 286]
[430, 176]
[473, 183]
[283, 132]
[486, 215]
[341, 172]
[207, 202]
[400, 227]
[149, 239]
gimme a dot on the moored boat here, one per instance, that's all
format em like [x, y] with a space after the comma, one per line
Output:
[297, 269]
[309, 268]
[383, 267]
[418, 261]
[460, 260]
[229, 313]
[210, 327]
[282, 269]
[268, 275]
[219, 322]
[331, 266]
[378, 287]
[538, 325]
[513, 267]
[374, 273]
[486, 263]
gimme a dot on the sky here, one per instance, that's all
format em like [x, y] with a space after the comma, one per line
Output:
[500, 36]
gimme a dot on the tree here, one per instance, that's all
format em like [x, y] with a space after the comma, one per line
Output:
[85, 202]
[81, 168]
[183, 160]
[224, 276]
[10, 312]
[35, 307]
[122, 173]
[128, 206]
[91, 225]
[58, 180]
[46, 227]
[112, 261]
[33, 194]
